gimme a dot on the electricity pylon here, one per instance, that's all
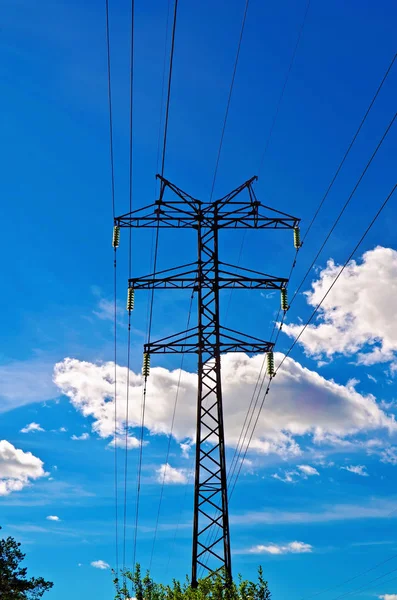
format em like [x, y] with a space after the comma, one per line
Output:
[209, 339]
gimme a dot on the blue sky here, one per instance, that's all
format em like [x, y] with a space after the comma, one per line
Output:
[321, 470]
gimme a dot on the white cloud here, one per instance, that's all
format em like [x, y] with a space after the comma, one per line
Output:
[171, 475]
[357, 469]
[290, 548]
[119, 441]
[304, 471]
[63, 430]
[300, 402]
[308, 470]
[82, 437]
[17, 468]
[53, 518]
[389, 455]
[100, 564]
[31, 428]
[388, 597]
[359, 314]
[287, 477]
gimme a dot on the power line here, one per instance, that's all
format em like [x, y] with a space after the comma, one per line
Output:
[350, 147]
[240, 444]
[229, 99]
[343, 208]
[170, 436]
[270, 133]
[365, 586]
[109, 78]
[143, 408]
[323, 245]
[338, 275]
[167, 110]
[284, 87]
[333, 587]
[110, 107]
[322, 201]
[129, 275]
[312, 316]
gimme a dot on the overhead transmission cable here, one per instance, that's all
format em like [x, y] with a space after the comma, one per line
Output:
[229, 99]
[333, 587]
[329, 233]
[129, 276]
[366, 586]
[256, 393]
[385, 76]
[311, 318]
[272, 126]
[336, 175]
[111, 154]
[143, 408]
[170, 435]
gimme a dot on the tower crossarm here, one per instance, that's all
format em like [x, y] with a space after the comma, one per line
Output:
[230, 276]
[188, 342]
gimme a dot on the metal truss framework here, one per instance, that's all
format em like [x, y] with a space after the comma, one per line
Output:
[207, 276]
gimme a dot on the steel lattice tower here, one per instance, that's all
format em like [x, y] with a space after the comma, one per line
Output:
[207, 276]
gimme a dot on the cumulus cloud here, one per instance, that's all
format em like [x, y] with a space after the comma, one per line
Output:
[100, 564]
[290, 548]
[358, 315]
[357, 469]
[300, 402]
[388, 597]
[82, 437]
[120, 442]
[389, 455]
[53, 518]
[31, 428]
[171, 475]
[308, 470]
[17, 468]
[303, 472]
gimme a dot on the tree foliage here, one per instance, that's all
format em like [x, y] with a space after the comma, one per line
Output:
[211, 588]
[13, 582]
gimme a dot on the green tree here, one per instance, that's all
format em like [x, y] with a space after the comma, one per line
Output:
[13, 582]
[211, 588]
